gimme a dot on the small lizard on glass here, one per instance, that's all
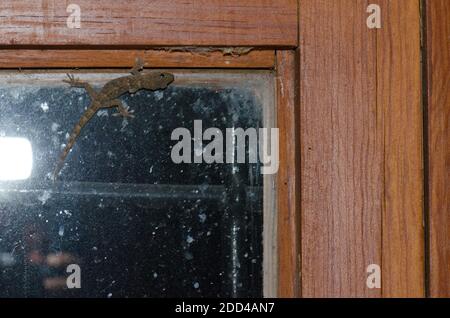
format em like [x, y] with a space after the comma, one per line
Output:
[108, 97]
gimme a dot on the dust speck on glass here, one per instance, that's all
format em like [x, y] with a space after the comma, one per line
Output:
[137, 224]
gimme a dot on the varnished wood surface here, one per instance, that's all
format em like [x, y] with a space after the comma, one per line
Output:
[341, 150]
[399, 96]
[288, 191]
[438, 74]
[151, 23]
[361, 149]
[68, 58]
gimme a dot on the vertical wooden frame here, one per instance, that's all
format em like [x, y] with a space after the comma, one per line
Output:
[361, 149]
[437, 35]
[288, 192]
[341, 150]
[399, 96]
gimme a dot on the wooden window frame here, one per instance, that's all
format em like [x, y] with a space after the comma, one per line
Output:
[284, 263]
[360, 193]
[266, 41]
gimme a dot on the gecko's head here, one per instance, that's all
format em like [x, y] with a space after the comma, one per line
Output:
[158, 80]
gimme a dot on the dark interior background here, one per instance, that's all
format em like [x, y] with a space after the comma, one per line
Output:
[137, 224]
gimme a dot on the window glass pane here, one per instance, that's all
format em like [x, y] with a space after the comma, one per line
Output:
[136, 223]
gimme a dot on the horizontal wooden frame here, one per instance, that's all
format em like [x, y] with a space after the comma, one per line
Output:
[20, 58]
[269, 23]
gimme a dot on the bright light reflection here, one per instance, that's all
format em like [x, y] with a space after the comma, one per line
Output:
[16, 158]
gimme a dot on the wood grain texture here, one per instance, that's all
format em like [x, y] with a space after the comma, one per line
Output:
[341, 149]
[438, 53]
[362, 153]
[399, 97]
[288, 194]
[151, 23]
[125, 58]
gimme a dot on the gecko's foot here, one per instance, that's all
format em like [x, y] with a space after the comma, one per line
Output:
[72, 81]
[125, 113]
[139, 64]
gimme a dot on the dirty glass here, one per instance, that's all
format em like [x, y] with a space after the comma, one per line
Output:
[136, 223]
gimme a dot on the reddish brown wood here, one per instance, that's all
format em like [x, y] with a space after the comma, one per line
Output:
[360, 118]
[125, 58]
[288, 193]
[151, 23]
[341, 149]
[361, 143]
[399, 98]
[438, 53]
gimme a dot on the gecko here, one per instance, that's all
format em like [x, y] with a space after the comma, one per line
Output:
[108, 97]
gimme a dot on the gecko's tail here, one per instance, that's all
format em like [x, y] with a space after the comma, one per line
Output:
[63, 156]
[71, 142]
[57, 170]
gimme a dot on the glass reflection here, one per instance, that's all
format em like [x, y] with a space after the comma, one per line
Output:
[16, 158]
